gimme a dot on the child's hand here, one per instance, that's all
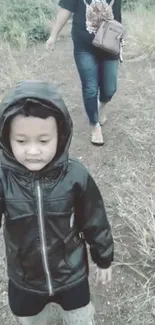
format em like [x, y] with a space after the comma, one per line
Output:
[103, 275]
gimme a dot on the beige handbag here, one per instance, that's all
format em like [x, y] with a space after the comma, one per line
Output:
[110, 32]
[109, 36]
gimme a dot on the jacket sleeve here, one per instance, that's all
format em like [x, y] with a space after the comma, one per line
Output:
[94, 224]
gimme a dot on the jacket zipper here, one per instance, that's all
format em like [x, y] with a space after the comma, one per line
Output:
[43, 238]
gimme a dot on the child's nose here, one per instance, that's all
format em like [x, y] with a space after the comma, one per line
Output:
[33, 150]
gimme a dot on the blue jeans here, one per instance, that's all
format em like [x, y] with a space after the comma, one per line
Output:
[98, 78]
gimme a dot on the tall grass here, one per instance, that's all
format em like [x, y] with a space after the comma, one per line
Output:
[132, 4]
[26, 20]
[140, 30]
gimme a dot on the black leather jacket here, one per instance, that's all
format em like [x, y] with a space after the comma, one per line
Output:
[50, 215]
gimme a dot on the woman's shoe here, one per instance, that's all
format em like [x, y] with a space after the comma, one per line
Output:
[102, 117]
[97, 136]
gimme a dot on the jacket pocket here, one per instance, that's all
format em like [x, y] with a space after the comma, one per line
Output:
[75, 252]
[60, 270]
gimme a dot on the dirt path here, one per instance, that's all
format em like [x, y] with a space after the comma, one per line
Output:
[128, 156]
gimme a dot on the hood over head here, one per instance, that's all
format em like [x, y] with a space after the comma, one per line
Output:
[45, 94]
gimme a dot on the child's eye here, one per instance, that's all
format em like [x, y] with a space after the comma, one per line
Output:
[21, 141]
[44, 141]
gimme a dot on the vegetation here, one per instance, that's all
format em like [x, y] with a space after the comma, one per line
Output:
[26, 21]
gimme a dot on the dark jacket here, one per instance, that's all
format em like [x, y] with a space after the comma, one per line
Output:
[50, 215]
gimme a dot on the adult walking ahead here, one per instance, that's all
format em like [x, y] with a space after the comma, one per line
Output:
[97, 69]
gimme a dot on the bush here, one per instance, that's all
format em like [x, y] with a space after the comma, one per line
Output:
[25, 20]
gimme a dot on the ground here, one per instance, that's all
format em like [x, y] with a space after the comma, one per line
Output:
[123, 169]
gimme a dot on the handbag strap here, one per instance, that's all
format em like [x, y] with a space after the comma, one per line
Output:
[85, 2]
[110, 4]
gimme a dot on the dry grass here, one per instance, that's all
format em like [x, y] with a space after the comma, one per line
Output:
[136, 206]
[140, 26]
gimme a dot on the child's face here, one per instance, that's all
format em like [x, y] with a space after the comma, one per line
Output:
[33, 140]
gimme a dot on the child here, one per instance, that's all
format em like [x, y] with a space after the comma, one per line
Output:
[52, 208]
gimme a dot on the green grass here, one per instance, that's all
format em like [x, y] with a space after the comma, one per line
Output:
[26, 21]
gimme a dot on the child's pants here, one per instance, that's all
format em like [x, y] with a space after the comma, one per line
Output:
[52, 314]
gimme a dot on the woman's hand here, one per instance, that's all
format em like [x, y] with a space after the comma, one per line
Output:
[62, 17]
[50, 43]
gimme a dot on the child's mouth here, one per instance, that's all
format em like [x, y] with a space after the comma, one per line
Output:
[34, 160]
